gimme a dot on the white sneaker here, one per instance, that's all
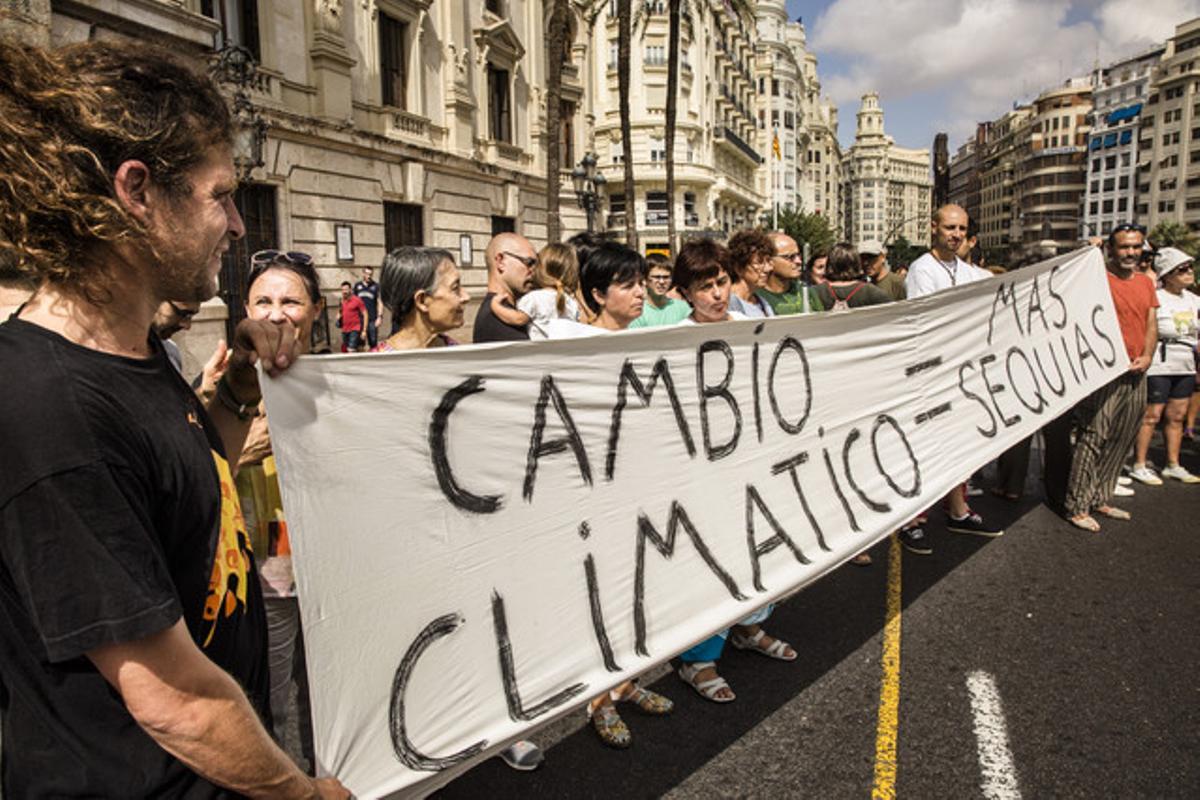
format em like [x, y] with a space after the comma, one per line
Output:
[1124, 480]
[1143, 474]
[1179, 473]
[1121, 490]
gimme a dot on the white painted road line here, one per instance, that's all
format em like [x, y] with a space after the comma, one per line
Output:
[999, 776]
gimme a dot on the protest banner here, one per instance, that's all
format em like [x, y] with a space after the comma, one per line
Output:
[485, 537]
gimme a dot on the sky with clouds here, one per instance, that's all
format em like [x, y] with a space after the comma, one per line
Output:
[943, 65]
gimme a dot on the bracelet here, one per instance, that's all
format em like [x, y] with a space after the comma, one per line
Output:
[243, 411]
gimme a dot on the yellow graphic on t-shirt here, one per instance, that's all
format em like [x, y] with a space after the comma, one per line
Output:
[1185, 322]
[231, 563]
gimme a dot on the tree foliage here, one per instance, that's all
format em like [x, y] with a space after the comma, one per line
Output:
[811, 229]
[1175, 234]
[902, 252]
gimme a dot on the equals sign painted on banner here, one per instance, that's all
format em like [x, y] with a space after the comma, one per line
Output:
[916, 369]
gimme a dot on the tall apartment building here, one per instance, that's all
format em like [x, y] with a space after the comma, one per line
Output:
[820, 183]
[1119, 94]
[964, 187]
[806, 173]
[781, 135]
[1169, 142]
[716, 164]
[888, 188]
[1052, 169]
[1004, 140]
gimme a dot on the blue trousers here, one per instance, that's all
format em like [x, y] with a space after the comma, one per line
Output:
[711, 648]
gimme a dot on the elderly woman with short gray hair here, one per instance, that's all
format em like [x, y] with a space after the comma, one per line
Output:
[423, 290]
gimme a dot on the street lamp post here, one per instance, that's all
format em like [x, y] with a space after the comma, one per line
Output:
[588, 183]
[235, 67]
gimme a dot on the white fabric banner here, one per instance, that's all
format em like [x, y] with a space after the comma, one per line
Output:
[488, 536]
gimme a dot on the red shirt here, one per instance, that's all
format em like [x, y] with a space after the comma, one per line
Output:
[353, 313]
[1133, 298]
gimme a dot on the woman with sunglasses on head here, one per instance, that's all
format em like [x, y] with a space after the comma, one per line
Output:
[422, 288]
[281, 287]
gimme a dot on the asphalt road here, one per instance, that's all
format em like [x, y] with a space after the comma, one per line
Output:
[1091, 643]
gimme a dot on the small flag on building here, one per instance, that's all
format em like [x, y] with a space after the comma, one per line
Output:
[775, 146]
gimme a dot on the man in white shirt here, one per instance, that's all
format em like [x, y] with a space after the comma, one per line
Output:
[939, 269]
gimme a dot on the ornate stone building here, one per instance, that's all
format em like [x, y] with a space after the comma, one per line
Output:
[999, 203]
[386, 122]
[888, 188]
[1168, 172]
[717, 158]
[1052, 169]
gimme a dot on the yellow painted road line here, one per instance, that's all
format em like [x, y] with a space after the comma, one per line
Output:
[884, 787]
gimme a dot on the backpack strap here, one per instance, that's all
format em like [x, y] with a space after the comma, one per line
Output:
[853, 291]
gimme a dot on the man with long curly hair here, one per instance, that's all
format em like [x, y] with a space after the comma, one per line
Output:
[131, 620]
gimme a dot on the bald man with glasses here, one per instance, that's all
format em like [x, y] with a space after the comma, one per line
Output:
[785, 290]
[510, 262]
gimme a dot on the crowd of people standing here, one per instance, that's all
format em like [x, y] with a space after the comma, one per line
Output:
[149, 616]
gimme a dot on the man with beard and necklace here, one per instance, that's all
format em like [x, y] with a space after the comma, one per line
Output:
[1107, 420]
[937, 270]
[131, 619]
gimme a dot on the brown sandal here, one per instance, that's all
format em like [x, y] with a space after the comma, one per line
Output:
[610, 727]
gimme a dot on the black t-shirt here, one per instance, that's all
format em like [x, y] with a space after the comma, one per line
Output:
[118, 516]
[490, 329]
[369, 294]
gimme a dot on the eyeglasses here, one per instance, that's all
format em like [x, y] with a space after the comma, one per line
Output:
[1129, 226]
[271, 256]
[528, 261]
[790, 256]
[183, 313]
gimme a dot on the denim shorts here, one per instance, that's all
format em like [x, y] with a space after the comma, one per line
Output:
[1160, 388]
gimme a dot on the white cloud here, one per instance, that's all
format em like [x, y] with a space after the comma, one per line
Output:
[978, 56]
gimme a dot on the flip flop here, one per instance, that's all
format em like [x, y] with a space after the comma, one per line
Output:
[1085, 522]
[1112, 512]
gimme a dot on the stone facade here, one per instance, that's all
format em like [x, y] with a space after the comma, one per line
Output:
[806, 172]
[999, 203]
[1052, 169]
[391, 121]
[820, 182]
[717, 160]
[1169, 143]
[888, 188]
